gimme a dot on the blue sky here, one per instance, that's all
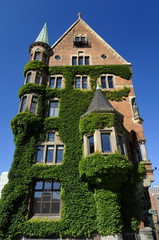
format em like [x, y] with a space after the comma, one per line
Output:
[130, 27]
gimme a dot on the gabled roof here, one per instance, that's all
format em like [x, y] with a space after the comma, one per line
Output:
[88, 27]
[43, 35]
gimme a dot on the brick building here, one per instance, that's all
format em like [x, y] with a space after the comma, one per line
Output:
[78, 169]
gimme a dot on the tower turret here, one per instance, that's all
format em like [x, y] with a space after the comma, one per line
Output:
[40, 49]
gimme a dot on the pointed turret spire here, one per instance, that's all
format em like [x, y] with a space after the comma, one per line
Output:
[43, 35]
[99, 103]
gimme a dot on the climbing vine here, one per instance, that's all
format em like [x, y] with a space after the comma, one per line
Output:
[84, 183]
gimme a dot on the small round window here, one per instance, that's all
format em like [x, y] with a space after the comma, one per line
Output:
[57, 57]
[104, 56]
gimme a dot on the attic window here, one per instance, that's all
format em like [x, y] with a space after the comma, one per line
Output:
[80, 40]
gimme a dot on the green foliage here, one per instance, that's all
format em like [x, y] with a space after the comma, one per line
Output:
[117, 95]
[31, 88]
[36, 65]
[98, 169]
[93, 121]
[94, 72]
[83, 192]
[108, 212]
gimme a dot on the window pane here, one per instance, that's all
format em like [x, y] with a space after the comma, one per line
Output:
[44, 57]
[103, 82]
[84, 82]
[36, 208]
[52, 82]
[48, 185]
[59, 153]
[91, 144]
[53, 109]
[59, 82]
[55, 208]
[80, 60]
[39, 185]
[49, 154]
[74, 60]
[46, 208]
[37, 56]
[23, 104]
[56, 185]
[87, 61]
[33, 105]
[105, 138]
[51, 137]
[37, 80]
[77, 82]
[28, 78]
[47, 196]
[121, 147]
[77, 39]
[37, 196]
[83, 39]
[56, 196]
[40, 152]
[110, 82]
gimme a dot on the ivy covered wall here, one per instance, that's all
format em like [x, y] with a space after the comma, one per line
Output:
[85, 187]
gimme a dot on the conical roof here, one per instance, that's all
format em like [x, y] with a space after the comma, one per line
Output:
[43, 35]
[99, 103]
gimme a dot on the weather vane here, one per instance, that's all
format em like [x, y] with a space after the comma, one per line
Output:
[79, 15]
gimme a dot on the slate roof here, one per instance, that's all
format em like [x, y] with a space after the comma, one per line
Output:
[99, 103]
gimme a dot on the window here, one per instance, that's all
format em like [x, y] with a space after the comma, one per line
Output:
[51, 137]
[46, 198]
[51, 151]
[121, 145]
[81, 82]
[80, 40]
[91, 144]
[57, 57]
[80, 60]
[23, 104]
[52, 154]
[53, 109]
[105, 141]
[28, 78]
[33, 104]
[44, 58]
[37, 79]
[40, 153]
[55, 82]
[107, 82]
[37, 56]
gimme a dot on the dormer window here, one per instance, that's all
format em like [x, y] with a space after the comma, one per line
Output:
[80, 40]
